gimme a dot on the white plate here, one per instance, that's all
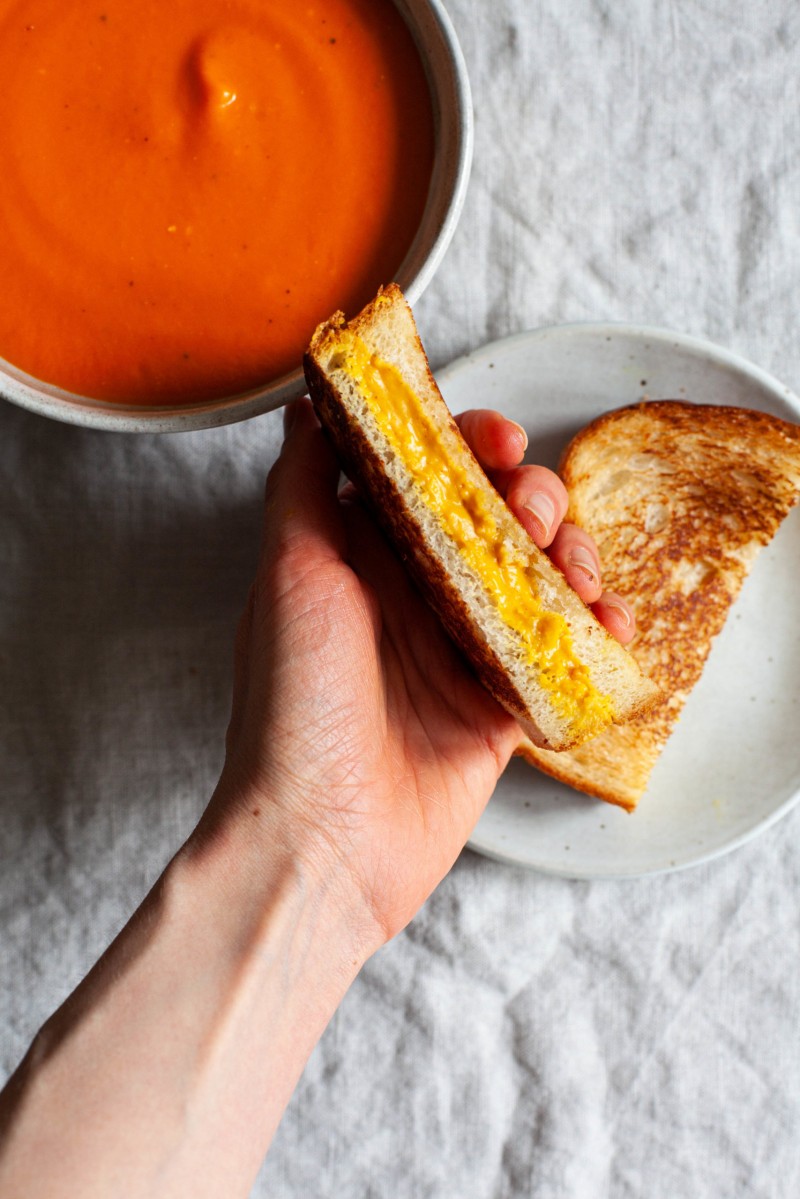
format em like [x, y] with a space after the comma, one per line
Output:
[732, 766]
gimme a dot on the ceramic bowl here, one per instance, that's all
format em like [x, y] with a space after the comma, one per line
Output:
[450, 93]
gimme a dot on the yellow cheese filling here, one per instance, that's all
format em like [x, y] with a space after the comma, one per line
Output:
[465, 516]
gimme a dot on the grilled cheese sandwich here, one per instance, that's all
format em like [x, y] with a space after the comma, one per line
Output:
[532, 641]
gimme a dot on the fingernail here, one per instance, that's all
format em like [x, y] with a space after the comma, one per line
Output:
[522, 431]
[620, 608]
[580, 557]
[542, 509]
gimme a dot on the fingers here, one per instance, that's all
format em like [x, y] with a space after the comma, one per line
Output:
[538, 499]
[299, 501]
[497, 443]
[302, 485]
[536, 495]
[612, 611]
[575, 555]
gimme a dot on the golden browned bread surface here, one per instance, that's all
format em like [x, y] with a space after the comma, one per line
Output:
[680, 498]
[387, 328]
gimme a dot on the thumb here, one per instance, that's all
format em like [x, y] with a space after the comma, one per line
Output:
[301, 511]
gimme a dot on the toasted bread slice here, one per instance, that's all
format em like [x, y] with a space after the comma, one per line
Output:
[534, 644]
[680, 498]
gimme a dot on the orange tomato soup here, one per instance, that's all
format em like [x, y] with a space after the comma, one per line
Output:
[188, 186]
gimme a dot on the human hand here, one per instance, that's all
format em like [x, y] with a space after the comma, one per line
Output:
[359, 738]
[539, 500]
[361, 751]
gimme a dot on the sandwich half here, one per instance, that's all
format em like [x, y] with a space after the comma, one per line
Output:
[533, 643]
[680, 498]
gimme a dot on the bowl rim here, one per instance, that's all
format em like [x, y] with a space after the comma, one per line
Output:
[452, 165]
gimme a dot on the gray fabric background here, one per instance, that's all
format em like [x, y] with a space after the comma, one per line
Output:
[525, 1036]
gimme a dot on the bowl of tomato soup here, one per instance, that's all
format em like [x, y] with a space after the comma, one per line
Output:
[189, 188]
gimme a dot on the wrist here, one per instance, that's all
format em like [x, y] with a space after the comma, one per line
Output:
[253, 847]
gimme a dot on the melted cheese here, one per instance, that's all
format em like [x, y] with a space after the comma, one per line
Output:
[465, 516]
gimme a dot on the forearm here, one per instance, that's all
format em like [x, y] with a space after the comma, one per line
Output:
[167, 1071]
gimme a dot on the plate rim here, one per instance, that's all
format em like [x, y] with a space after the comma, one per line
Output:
[659, 333]
[722, 356]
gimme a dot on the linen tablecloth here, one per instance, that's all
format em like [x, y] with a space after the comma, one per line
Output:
[526, 1036]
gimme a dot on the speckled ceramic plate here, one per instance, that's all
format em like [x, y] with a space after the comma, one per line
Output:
[732, 766]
